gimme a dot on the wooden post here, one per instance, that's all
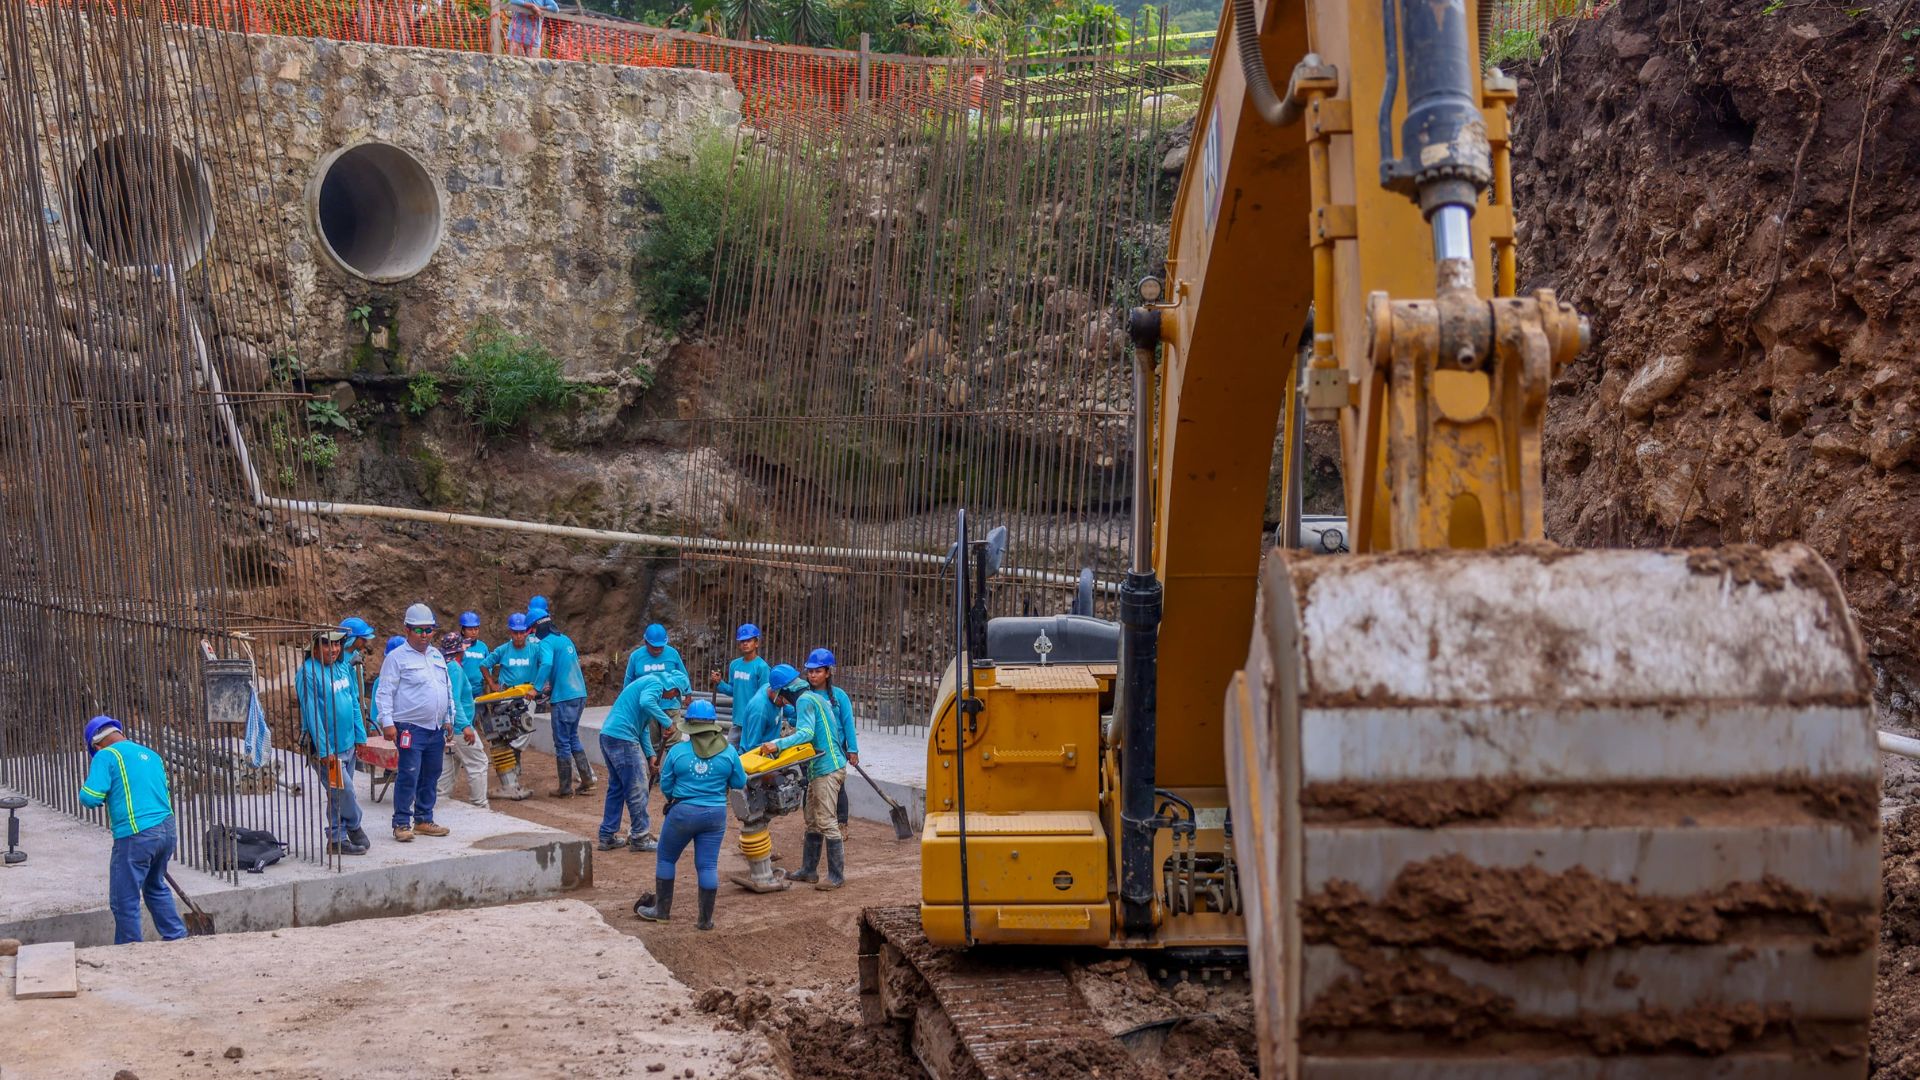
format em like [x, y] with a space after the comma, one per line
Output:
[494, 42]
[865, 66]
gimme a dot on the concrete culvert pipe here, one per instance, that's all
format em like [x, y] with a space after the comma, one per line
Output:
[138, 201]
[378, 212]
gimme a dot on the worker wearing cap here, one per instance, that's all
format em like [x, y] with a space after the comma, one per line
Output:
[760, 717]
[131, 782]
[746, 674]
[560, 678]
[463, 743]
[814, 721]
[653, 656]
[627, 746]
[695, 777]
[329, 693]
[416, 699]
[515, 661]
[820, 680]
[472, 650]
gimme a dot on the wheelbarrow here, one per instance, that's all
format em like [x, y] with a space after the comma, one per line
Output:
[381, 759]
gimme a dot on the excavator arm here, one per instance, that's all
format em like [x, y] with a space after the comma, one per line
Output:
[1472, 805]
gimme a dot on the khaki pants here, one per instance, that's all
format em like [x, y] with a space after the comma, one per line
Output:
[823, 801]
[473, 761]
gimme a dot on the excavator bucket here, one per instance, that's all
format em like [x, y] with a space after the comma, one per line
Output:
[1547, 813]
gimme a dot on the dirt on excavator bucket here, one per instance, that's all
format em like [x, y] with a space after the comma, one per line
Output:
[1554, 813]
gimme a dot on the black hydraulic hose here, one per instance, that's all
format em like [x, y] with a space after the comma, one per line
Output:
[1273, 108]
[1390, 20]
[963, 700]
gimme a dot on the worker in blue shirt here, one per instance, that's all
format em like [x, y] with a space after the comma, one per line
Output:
[758, 719]
[653, 656]
[746, 674]
[373, 690]
[515, 661]
[465, 745]
[359, 635]
[626, 744]
[695, 777]
[560, 678]
[329, 691]
[820, 679]
[131, 782]
[814, 721]
[473, 650]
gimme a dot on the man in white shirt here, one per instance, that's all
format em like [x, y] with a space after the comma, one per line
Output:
[416, 698]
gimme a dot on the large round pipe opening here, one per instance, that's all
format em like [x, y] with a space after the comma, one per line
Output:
[377, 211]
[139, 201]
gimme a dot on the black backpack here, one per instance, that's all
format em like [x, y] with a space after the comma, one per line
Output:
[252, 850]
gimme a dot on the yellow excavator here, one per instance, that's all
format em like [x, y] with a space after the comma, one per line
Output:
[1464, 803]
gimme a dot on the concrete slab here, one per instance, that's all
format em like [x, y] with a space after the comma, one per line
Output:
[453, 993]
[44, 971]
[896, 759]
[60, 892]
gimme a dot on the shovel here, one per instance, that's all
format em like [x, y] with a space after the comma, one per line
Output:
[902, 828]
[199, 923]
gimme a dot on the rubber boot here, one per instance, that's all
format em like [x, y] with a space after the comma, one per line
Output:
[707, 897]
[662, 907]
[585, 771]
[810, 867]
[565, 765]
[836, 865]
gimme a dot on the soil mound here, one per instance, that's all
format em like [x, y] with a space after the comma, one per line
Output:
[1726, 188]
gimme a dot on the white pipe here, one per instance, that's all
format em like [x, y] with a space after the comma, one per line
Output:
[1900, 744]
[572, 532]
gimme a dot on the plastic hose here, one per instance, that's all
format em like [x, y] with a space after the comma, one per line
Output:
[1273, 108]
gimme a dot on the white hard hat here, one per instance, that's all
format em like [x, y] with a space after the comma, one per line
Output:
[420, 615]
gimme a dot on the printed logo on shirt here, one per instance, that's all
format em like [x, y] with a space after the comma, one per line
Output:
[700, 768]
[341, 684]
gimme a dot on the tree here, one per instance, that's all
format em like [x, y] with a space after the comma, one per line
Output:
[809, 22]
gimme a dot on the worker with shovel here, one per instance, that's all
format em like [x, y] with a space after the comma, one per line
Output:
[131, 782]
[820, 679]
[814, 722]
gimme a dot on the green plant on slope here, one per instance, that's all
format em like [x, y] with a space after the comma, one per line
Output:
[505, 378]
[423, 393]
[1515, 44]
[323, 413]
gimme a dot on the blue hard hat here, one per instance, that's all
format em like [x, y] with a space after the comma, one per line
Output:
[747, 630]
[820, 658]
[538, 603]
[94, 727]
[781, 675]
[655, 636]
[469, 618]
[357, 627]
[702, 710]
[395, 642]
[516, 623]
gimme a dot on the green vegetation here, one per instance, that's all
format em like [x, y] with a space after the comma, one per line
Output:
[1511, 45]
[920, 27]
[505, 378]
[423, 393]
[323, 413]
[362, 317]
[690, 202]
[317, 449]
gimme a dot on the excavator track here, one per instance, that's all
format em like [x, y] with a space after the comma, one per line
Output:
[973, 1015]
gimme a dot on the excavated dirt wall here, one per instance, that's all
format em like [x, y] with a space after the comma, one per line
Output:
[1728, 188]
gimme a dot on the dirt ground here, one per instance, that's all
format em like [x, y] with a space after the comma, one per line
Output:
[784, 965]
[444, 994]
[788, 961]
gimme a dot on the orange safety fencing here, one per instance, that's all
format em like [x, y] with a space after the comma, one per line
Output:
[770, 78]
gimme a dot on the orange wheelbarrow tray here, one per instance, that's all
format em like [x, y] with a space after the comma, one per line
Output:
[381, 759]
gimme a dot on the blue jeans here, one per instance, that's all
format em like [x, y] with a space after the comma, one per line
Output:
[417, 785]
[343, 806]
[626, 787]
[139, 868]
[704, 827]
[566, 727]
